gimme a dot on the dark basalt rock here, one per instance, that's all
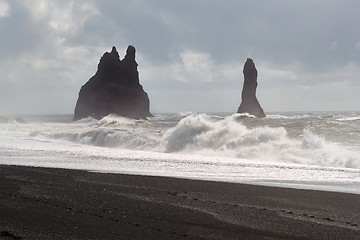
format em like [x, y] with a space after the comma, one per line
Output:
[249, 103]
[115, 88]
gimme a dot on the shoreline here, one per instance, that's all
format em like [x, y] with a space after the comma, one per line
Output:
[351, 186]
[50, 203]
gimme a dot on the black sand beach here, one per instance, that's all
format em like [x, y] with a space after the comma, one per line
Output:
[41, 203]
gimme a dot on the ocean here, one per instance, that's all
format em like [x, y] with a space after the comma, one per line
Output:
[308, 150]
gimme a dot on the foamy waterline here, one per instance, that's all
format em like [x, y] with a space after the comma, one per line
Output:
[195, 146]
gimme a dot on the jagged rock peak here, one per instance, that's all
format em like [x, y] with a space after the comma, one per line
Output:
[114, 88]
[114, 53]
[249, 103]
[130, 52]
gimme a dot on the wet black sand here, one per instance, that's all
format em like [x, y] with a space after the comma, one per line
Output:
[41, 203]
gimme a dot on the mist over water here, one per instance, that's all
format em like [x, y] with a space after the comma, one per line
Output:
[307, 149]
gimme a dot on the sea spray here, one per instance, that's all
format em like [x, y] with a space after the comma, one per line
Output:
[305, 150]
[201, 134]
[287, 139]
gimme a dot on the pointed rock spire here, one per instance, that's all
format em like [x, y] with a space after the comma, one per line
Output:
[114, 53]
[249, 103]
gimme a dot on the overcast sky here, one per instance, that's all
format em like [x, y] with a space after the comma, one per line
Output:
[190, 52]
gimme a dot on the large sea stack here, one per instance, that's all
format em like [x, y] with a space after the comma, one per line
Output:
[249, 103]
[115, 88]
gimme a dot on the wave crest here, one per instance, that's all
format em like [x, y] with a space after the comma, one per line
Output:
[229, 137]
[201, 134]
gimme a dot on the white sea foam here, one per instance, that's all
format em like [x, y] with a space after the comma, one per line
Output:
[289, 116]
[352, 118]
[114, 120]
[230, 138]
[223, 148]
[87, 120]
[203, 134]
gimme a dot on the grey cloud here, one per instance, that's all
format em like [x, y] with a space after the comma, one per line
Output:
[296, 45]
[18, 33]
[277, 31]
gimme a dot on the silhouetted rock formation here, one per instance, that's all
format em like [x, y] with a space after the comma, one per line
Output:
[249, 103]
[115, 88]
